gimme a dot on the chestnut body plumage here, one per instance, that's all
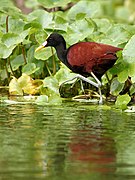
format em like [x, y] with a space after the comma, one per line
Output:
[84, 58]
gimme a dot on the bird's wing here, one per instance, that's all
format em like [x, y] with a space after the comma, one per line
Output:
[86, 57]
[90, 53]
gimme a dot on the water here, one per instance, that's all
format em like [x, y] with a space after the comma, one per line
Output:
[71, 141]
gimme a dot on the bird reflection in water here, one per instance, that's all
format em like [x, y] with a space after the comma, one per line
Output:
[93, 150]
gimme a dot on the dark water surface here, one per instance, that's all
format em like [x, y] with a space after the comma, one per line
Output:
[71, 141]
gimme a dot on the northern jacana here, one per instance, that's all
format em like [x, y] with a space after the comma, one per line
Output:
[84, 58]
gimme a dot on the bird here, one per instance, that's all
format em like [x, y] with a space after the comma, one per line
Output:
[84, 58]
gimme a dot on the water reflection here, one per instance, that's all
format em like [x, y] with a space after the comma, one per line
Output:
[94, 149]
[66, 142]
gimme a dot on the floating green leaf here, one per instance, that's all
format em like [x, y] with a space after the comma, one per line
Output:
[45, 100]
[55, 99]
[122, 101]
[42, 100]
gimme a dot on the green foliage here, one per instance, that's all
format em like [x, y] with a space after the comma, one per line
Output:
[116, 87]
[103, 21]
[24, 85]
[91, 9]
[52, 3]
[122, 101]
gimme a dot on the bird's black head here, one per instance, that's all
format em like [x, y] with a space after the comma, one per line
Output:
[55, 40]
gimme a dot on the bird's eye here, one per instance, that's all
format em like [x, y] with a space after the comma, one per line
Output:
[50, 39]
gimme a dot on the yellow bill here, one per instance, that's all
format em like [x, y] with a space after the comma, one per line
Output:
[41, 46]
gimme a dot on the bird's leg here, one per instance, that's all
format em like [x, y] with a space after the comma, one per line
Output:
[68, 80]
[87, 80]
[99, 89]
[82, 86]
[97, 80]
[98, 84]
[76, 77]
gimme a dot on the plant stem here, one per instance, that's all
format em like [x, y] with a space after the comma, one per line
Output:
[54, 63]
[8, 59]
[7, 24]
[24, 55]
[7, 72]
[109, 82]
[48, 69]
[9, 63]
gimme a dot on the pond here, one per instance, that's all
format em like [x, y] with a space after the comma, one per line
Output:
[70, 141]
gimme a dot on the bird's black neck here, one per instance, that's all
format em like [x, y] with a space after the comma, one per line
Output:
[61, 52]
